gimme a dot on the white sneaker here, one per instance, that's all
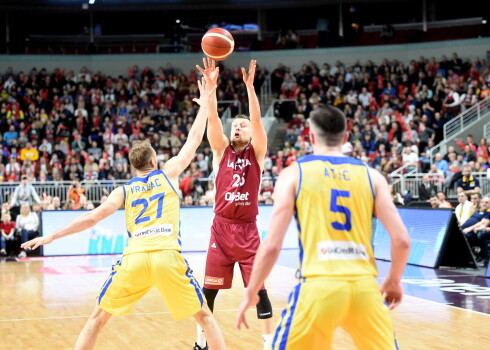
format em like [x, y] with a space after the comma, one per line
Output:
[22, 254]
[3, 252]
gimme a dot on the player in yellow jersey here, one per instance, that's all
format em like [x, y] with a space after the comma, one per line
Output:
[333, 198]
[152, 257]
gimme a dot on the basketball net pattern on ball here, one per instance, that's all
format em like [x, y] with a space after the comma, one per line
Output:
[224, 37]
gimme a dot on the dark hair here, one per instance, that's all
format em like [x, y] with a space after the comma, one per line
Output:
[330, 123]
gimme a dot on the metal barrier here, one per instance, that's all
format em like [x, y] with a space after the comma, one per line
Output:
[94, 190]
[411, 182]
[459, 123]
[486, 131]
[265, 93]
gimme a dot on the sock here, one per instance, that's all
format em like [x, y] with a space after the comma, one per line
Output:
[201, 339]
[267, 341]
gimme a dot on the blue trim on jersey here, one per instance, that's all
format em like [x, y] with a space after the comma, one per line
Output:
[283, 314]
[146, 178]
[129, 233]
[300, 180]
[336, 160]
[170, 184]
[300, 244]
[179, 236]
[194, 282]
[370, 182]
[108, 282]
[285, 335]
[124, 191]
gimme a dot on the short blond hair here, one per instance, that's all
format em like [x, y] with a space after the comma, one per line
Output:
[140, 154]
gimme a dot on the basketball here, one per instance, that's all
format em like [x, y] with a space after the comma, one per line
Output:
[217, 44]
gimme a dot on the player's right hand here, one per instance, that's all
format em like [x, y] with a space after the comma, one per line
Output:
[392, 293]
[36, 242]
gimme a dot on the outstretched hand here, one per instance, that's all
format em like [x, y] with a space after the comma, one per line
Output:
[205, 91]
[248, 78]
[210, 71]
[36, 242]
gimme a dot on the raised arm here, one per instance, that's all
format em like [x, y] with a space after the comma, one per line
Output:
[83, 222]
[176, 165]
[387, 213]
[216, 137]
[259, 136]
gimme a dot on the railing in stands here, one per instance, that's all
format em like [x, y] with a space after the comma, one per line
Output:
[411, 182]
[459, 123]
[265, 94]
[486, 131]
[94, 189]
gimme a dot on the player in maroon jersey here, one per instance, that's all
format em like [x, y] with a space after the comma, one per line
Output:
[238, 163]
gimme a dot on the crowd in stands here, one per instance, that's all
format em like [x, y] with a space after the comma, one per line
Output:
[70, 126]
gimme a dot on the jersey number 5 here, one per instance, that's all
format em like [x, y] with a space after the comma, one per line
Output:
[336, 208]
[144, 203]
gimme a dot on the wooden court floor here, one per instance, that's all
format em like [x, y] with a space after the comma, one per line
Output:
[45, 303]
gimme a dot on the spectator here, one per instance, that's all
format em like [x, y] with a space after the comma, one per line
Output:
[475, 229]
[475, 199]
[397, 197]
[7, 230]
[464, 209]
[28, 152]
[266, 191]
[426, 189]
[441, 163]
[468, 183]
[24, 194]
[442, 198]
[75, 191]
[188, 201]
[27, 224]
[435, 202]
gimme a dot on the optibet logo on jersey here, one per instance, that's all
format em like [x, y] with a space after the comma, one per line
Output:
[232, 197]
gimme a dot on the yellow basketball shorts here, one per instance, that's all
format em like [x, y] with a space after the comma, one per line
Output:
[317, 307]
[133, 276]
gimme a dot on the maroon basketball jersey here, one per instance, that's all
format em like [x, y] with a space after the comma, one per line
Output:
[237, 185]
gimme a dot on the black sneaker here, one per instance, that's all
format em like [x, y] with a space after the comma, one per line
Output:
[197, 347]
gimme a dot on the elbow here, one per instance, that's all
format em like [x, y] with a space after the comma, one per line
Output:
[403, 243]
[272, 249]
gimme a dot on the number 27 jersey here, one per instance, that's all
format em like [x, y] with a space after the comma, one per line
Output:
[152, 210]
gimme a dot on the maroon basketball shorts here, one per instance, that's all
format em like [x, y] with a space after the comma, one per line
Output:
[230, 243]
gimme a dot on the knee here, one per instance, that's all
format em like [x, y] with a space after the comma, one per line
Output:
[264, 307]
[99, 318]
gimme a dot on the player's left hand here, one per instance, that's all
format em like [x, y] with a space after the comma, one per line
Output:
[392, 293]
[248, 78]
[36, 242]
[247, 302]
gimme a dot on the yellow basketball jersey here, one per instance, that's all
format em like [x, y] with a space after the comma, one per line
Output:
[152, 209]
[334, 210]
